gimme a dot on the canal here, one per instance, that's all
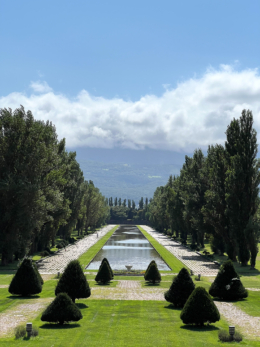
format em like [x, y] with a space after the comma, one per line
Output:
[128, 246]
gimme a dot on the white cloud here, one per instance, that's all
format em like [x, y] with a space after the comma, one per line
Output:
[40, 87]
[194, 114]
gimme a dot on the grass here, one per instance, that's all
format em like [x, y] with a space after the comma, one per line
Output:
[86, 257]
[125, 323]
[169, 259]
[250, 305]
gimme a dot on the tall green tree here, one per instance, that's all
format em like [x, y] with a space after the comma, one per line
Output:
[242, 184]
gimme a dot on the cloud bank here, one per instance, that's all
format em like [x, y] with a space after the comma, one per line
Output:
[194, 114]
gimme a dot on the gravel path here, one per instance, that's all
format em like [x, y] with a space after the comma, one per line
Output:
[246, 324]
[197, 263]
[20, 314]
[128, 290]
[58, 262]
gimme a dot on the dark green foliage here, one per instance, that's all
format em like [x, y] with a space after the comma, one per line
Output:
[38, 274]
[61, 310]
[20, 331]
[224, 336]
[110, 269]
[104, 274]
[73, 282]
[152, 262]
[152, 275]
[199, 308]
[181, 288]
[26, 281]
[227, 284]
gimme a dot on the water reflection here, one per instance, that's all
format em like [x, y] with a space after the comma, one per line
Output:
[128, 246]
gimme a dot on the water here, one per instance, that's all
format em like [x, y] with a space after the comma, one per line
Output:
[128, 246]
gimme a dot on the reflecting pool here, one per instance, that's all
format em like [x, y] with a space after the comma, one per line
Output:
[128, 246]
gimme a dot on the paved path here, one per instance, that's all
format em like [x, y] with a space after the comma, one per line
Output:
[197, 263]
[57, 262]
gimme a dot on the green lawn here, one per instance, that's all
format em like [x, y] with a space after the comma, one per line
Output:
[124, 323]
[169, 259]
[86, 258]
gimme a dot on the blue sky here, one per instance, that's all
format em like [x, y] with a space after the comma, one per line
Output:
[163, 75]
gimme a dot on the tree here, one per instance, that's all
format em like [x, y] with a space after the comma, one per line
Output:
[242, 183]
[124, 203]
[199, 308]
[62, 310]
[119, 202]
[141, 203]
[110, 269]
[129, 203]
[26, 281]
[227, 285]
[73, 282]
[133, 205]
[115, 202]
[31, 180]
[152, 275]
[152, 262]
[104, 275]
[181, 288]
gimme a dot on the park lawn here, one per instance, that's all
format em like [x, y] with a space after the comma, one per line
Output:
[166, 283]
[86, 257]
[169, 258]
[250, 305]
[125, 323]
[251, 281]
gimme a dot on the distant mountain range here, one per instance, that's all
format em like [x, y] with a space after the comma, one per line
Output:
[129, 174]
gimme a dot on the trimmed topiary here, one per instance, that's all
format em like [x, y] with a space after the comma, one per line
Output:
[73, 282]
[104, 274]
[152, 262]
[181, 288]
[227, 285]
[152, 274]
[199, 308]
[26, 281]
[61, 310]
[110, 269]
[38, 274]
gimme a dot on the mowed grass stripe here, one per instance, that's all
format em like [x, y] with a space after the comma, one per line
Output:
[175, 264]
[122, 323]
[86, 257]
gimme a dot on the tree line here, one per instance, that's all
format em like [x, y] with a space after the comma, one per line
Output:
[123, 210]
[216, 195]
[43, 192]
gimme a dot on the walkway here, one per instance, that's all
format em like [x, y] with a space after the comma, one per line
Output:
[57, 262]
[197, 263]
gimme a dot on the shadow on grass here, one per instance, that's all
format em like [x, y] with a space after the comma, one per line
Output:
[4, 271]
[151, 284]
[199, 327]
[60, 326]
[222, 300]
[172, 307]
[102, 284]
[81, 306]
[19, 297]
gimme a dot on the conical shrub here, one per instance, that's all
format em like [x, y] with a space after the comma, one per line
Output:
[152, 275]
[104, 274]
[38, 273]
[61, 310]
[110, 269]
[227, 285]
[199, 308]
[181, 288]
[152, 262]
[73, 282]
[26, 280]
